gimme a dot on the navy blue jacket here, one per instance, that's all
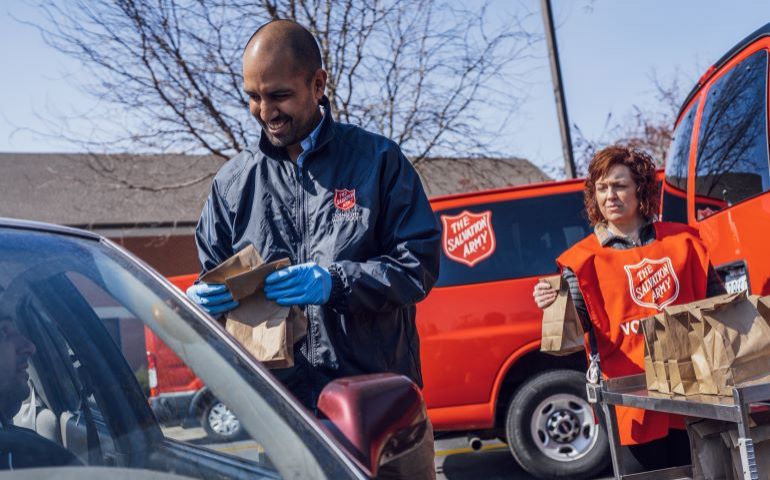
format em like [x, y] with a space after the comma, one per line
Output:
[379, 239]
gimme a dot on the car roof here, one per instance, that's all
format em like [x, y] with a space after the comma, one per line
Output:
[47, 227]
[762, 31]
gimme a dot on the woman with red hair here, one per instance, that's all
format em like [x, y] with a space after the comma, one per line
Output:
[631, 267]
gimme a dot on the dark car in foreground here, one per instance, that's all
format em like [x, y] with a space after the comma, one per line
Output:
[77, 297]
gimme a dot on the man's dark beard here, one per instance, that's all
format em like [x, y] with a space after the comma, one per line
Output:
[10, 401]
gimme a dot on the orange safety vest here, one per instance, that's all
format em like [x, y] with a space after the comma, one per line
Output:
[620, 287]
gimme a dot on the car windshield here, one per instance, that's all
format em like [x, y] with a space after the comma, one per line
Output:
[77, 385]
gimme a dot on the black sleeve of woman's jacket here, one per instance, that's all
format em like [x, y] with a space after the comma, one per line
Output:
[407, 266]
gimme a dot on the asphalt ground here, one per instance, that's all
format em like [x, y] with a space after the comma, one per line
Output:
[455, 459]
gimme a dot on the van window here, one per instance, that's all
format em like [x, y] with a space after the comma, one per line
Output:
[529, 234]
[732, 160]
[675, 183]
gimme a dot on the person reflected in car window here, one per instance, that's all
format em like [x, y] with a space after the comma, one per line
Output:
[21, 447]
[15, 352]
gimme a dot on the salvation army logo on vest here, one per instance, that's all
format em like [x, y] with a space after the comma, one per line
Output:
[652, 283]
[344, 199]
[468, 238]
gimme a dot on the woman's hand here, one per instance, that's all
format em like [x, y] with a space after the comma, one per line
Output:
[544, 294]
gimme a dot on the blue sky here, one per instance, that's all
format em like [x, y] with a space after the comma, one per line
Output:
[609, 51]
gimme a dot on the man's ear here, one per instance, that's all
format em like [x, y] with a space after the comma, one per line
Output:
[319, 83]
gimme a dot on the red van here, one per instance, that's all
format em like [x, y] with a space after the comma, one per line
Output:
[480, 333]
[718, 172]
[177, 396]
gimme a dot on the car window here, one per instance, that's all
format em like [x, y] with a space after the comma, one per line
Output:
[187, 409]
[732, 161]
[76, 381]
[509, 239]
[675, 182]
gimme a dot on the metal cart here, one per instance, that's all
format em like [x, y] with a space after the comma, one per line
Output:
[631, 391]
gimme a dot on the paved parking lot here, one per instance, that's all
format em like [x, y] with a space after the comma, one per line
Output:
[455, 460]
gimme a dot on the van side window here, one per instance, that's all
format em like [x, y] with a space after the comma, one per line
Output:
[732, 160]
[675, 183]
[529, 234]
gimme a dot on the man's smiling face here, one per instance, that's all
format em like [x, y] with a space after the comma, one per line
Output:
[283, 96]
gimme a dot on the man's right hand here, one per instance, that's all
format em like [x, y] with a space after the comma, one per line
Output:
[544, 294]
[215, 298]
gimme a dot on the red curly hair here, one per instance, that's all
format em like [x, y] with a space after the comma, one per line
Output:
[642, 171]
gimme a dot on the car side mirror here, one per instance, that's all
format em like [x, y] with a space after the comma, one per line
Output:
[375, 417]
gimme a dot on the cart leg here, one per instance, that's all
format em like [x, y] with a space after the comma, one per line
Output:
[746, 448]
[612, 434]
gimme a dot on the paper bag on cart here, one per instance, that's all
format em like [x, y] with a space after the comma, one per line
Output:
[648, 333]
[737, 342]
[677, 351]
[562, 331]
[266, 330]
[654, 329]
[699, 354]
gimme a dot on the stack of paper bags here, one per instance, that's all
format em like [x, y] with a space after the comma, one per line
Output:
[708, 346]
[562, 333]
[266, 330]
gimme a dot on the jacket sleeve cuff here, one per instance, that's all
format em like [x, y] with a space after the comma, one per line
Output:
[340, 288]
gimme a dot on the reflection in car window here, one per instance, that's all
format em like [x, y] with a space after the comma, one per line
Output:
[187, 410]
[525, 245]
[675, 183]
[732, 162]
[81, 312]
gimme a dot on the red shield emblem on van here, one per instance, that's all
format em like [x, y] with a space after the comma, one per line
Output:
[345, 199]
[652, 283]
[468, 238]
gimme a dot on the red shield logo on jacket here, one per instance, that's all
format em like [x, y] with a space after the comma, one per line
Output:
[652, 283]
[468, 237]
[344, 199]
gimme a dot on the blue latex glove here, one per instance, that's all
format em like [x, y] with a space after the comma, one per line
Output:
[215, 298]
[305, 284]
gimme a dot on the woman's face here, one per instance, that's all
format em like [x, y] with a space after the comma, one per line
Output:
[616, 196]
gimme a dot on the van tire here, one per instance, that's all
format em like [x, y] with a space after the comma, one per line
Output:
[549, 421]
[220, 423]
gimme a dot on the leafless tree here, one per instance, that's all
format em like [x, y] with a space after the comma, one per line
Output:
[417, 71]
[648, 129]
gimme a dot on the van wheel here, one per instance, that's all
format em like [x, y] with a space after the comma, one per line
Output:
[551, 430]
[220, 422]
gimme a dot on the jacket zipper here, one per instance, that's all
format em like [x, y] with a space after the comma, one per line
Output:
[302, 255]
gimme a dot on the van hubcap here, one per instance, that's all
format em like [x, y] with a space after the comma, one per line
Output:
[222, 420]
[563, 427]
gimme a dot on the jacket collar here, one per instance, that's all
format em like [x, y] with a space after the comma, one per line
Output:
[324, 135]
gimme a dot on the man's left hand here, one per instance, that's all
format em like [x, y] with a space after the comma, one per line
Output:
[304, 284]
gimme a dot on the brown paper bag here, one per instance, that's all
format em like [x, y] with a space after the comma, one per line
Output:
[267, 330]
[658, 353]
[648, 332]
[737, 341]
[562, 333]
[678, 354]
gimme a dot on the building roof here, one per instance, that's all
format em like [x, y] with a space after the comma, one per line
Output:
[151, 191]
[88, 190]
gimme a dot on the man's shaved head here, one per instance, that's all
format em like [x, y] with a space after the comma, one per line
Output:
[292, 39]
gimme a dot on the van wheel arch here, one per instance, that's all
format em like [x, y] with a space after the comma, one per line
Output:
[527, 366]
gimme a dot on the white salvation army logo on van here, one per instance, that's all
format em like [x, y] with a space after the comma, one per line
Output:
[468, 237]
[652, 283]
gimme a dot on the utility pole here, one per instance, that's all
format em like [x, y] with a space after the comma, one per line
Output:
[558, 89]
